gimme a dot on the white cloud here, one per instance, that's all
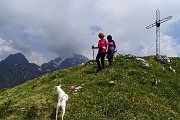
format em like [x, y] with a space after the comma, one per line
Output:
[37, 58]
[169, 46]
[6, 48]
[63, 27]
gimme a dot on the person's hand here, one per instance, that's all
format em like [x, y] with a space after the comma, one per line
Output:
[106, 50]
[115, 51]
[93, 47]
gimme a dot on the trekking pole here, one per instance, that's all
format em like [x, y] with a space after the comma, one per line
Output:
[93, 52]
[116, 52]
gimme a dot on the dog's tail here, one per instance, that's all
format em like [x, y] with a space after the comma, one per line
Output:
[65, 97]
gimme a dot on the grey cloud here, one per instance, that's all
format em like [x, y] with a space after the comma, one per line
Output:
[65, 27]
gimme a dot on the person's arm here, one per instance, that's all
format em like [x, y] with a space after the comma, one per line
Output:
[94, 47]
[114, 46]
[107, 46]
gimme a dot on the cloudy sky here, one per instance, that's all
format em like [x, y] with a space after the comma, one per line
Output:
[45, 29]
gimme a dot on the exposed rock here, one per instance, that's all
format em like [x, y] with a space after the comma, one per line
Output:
[163, 59]
[145, 65]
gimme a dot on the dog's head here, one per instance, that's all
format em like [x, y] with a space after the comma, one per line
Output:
[55, 88]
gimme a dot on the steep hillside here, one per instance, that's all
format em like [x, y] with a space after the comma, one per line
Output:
[122, 91]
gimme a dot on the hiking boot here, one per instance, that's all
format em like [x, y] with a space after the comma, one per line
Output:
[110, 65]
[98, 69]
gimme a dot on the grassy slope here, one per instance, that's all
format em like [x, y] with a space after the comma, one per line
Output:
[131, 97]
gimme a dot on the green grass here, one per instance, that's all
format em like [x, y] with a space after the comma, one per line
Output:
[132, 97]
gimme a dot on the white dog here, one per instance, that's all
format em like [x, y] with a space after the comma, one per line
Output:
[62, 98]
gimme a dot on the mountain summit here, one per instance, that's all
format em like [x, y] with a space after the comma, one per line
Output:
[13, 59]
[61, 63]
[16, 69]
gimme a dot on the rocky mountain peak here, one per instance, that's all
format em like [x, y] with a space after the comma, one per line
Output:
[14, 59]
[16, 69]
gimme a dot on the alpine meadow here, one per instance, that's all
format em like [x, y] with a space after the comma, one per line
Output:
[124, 91]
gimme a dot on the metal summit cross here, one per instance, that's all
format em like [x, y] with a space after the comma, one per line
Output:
[157, 24]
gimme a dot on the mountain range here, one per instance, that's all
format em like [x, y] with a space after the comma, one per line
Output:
[16, 69]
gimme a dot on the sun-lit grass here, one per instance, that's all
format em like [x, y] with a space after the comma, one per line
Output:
[131, 97]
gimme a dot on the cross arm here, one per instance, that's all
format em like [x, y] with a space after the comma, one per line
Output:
[160, 21]
[165, 19]
[150, 26]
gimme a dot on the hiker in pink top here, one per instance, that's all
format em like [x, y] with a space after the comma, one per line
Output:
[103, 48]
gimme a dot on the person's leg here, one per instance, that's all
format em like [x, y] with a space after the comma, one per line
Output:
[109, 57]
[113, 55]
[102, 59]
[97, 60]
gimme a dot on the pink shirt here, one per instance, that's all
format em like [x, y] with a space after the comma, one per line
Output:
[103, 45]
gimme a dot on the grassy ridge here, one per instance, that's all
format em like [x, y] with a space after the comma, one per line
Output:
[131, 97]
